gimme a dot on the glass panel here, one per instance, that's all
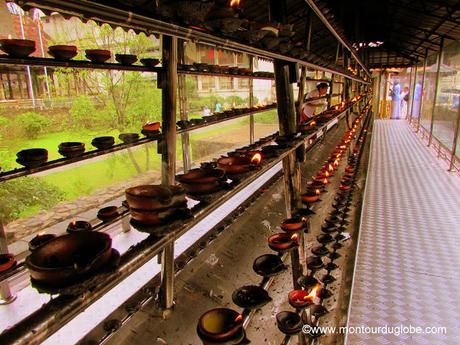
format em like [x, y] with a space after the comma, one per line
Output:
[73, 105]
[428, 92]
[446, 111]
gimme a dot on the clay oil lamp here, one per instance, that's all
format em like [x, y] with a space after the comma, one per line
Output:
[79, 226]
[151, 129]
[67, 258]
[345, 187]
[63, 52]
[235, 165]
[126, 59]
[311, 196]
[98, 55]
[318, 310]
[316, 185]
[325, 239]
[334, 256]
[32, 158]
[7, 262]
[40, 239]
[107, 213]
[251, 297]
[324, 293]
[320, 251]
[282, 242]
[150, 62]
[304, 212]
[18, 48]
[301, 299]
[103, 143]
[294, 224]
[327, 278]
[308, 281]
[268, 265]
[220, 325]
[128, 138]
[71, 149]
[340, 237]
[201, 181]
[328, 228]
[314, 263]
[289, 322]
[330, 266]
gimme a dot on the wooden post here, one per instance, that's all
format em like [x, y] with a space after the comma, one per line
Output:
[303, 77]
[420, 105]
[436, 89]
[168, 152]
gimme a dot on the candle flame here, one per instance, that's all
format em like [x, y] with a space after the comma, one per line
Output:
[234, 3]
[294, 237]
[239, 318]
[256, 159]
[312, 293]
[330, 167]
[325, 181]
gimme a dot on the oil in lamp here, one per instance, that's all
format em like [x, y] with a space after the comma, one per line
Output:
[40, 239]
[79, 225]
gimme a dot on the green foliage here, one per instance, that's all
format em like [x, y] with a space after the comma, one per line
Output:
[32, 124]
[18, 195]
[82, 112]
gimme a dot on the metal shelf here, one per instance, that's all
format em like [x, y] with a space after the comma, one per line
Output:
[37, 61]
[210, 123]
[12, 174]
[52, 315]
[129, 20]
[223, 75]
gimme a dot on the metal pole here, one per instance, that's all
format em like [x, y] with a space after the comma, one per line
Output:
[413, 94]
[5, 292]
[168, 150]
[454, 144]
[436, 90]
[45, 69]
[251, 101]
[185, 136]
[29, 76]
[420, 107]
[410, 86]
[379, 86]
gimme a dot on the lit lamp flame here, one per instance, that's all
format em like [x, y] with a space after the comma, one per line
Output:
[312, 295]
[330, 167]
[41, 233]
[239, 318]
[9, 36]
[313, 123]
[325, 181]
[336, 107]
[294, 237]
[234, 3]
[317, 192]
[256, 159]
[336, 162]
[326, 174]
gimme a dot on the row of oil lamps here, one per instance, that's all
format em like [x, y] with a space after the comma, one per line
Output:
[225, 326]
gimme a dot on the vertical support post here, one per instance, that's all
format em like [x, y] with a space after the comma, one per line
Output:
[410, 86]
[303, 77]
[168, 150]
[454, 144]
[436, 89]
[412, 92]
[183, 108]
[5, 292]
[251, 101]
[420, 106]
[379, 87]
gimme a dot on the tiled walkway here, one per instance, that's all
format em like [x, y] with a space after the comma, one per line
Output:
[408, 262]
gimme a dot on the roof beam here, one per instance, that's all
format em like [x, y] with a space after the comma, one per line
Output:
[429, 14]
[331, 28]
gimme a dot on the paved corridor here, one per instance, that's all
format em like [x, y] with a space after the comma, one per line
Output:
[408, 262]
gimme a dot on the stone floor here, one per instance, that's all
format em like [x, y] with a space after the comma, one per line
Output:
[408, 261]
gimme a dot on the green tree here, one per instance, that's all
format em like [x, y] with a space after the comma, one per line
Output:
[82, 112]
[32, 124]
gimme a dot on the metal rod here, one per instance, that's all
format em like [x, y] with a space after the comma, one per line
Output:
[436, 89]
[413, 93]
[251, 101]
[5, 292]
[185, 136]
[420, 106]
[455, 142]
